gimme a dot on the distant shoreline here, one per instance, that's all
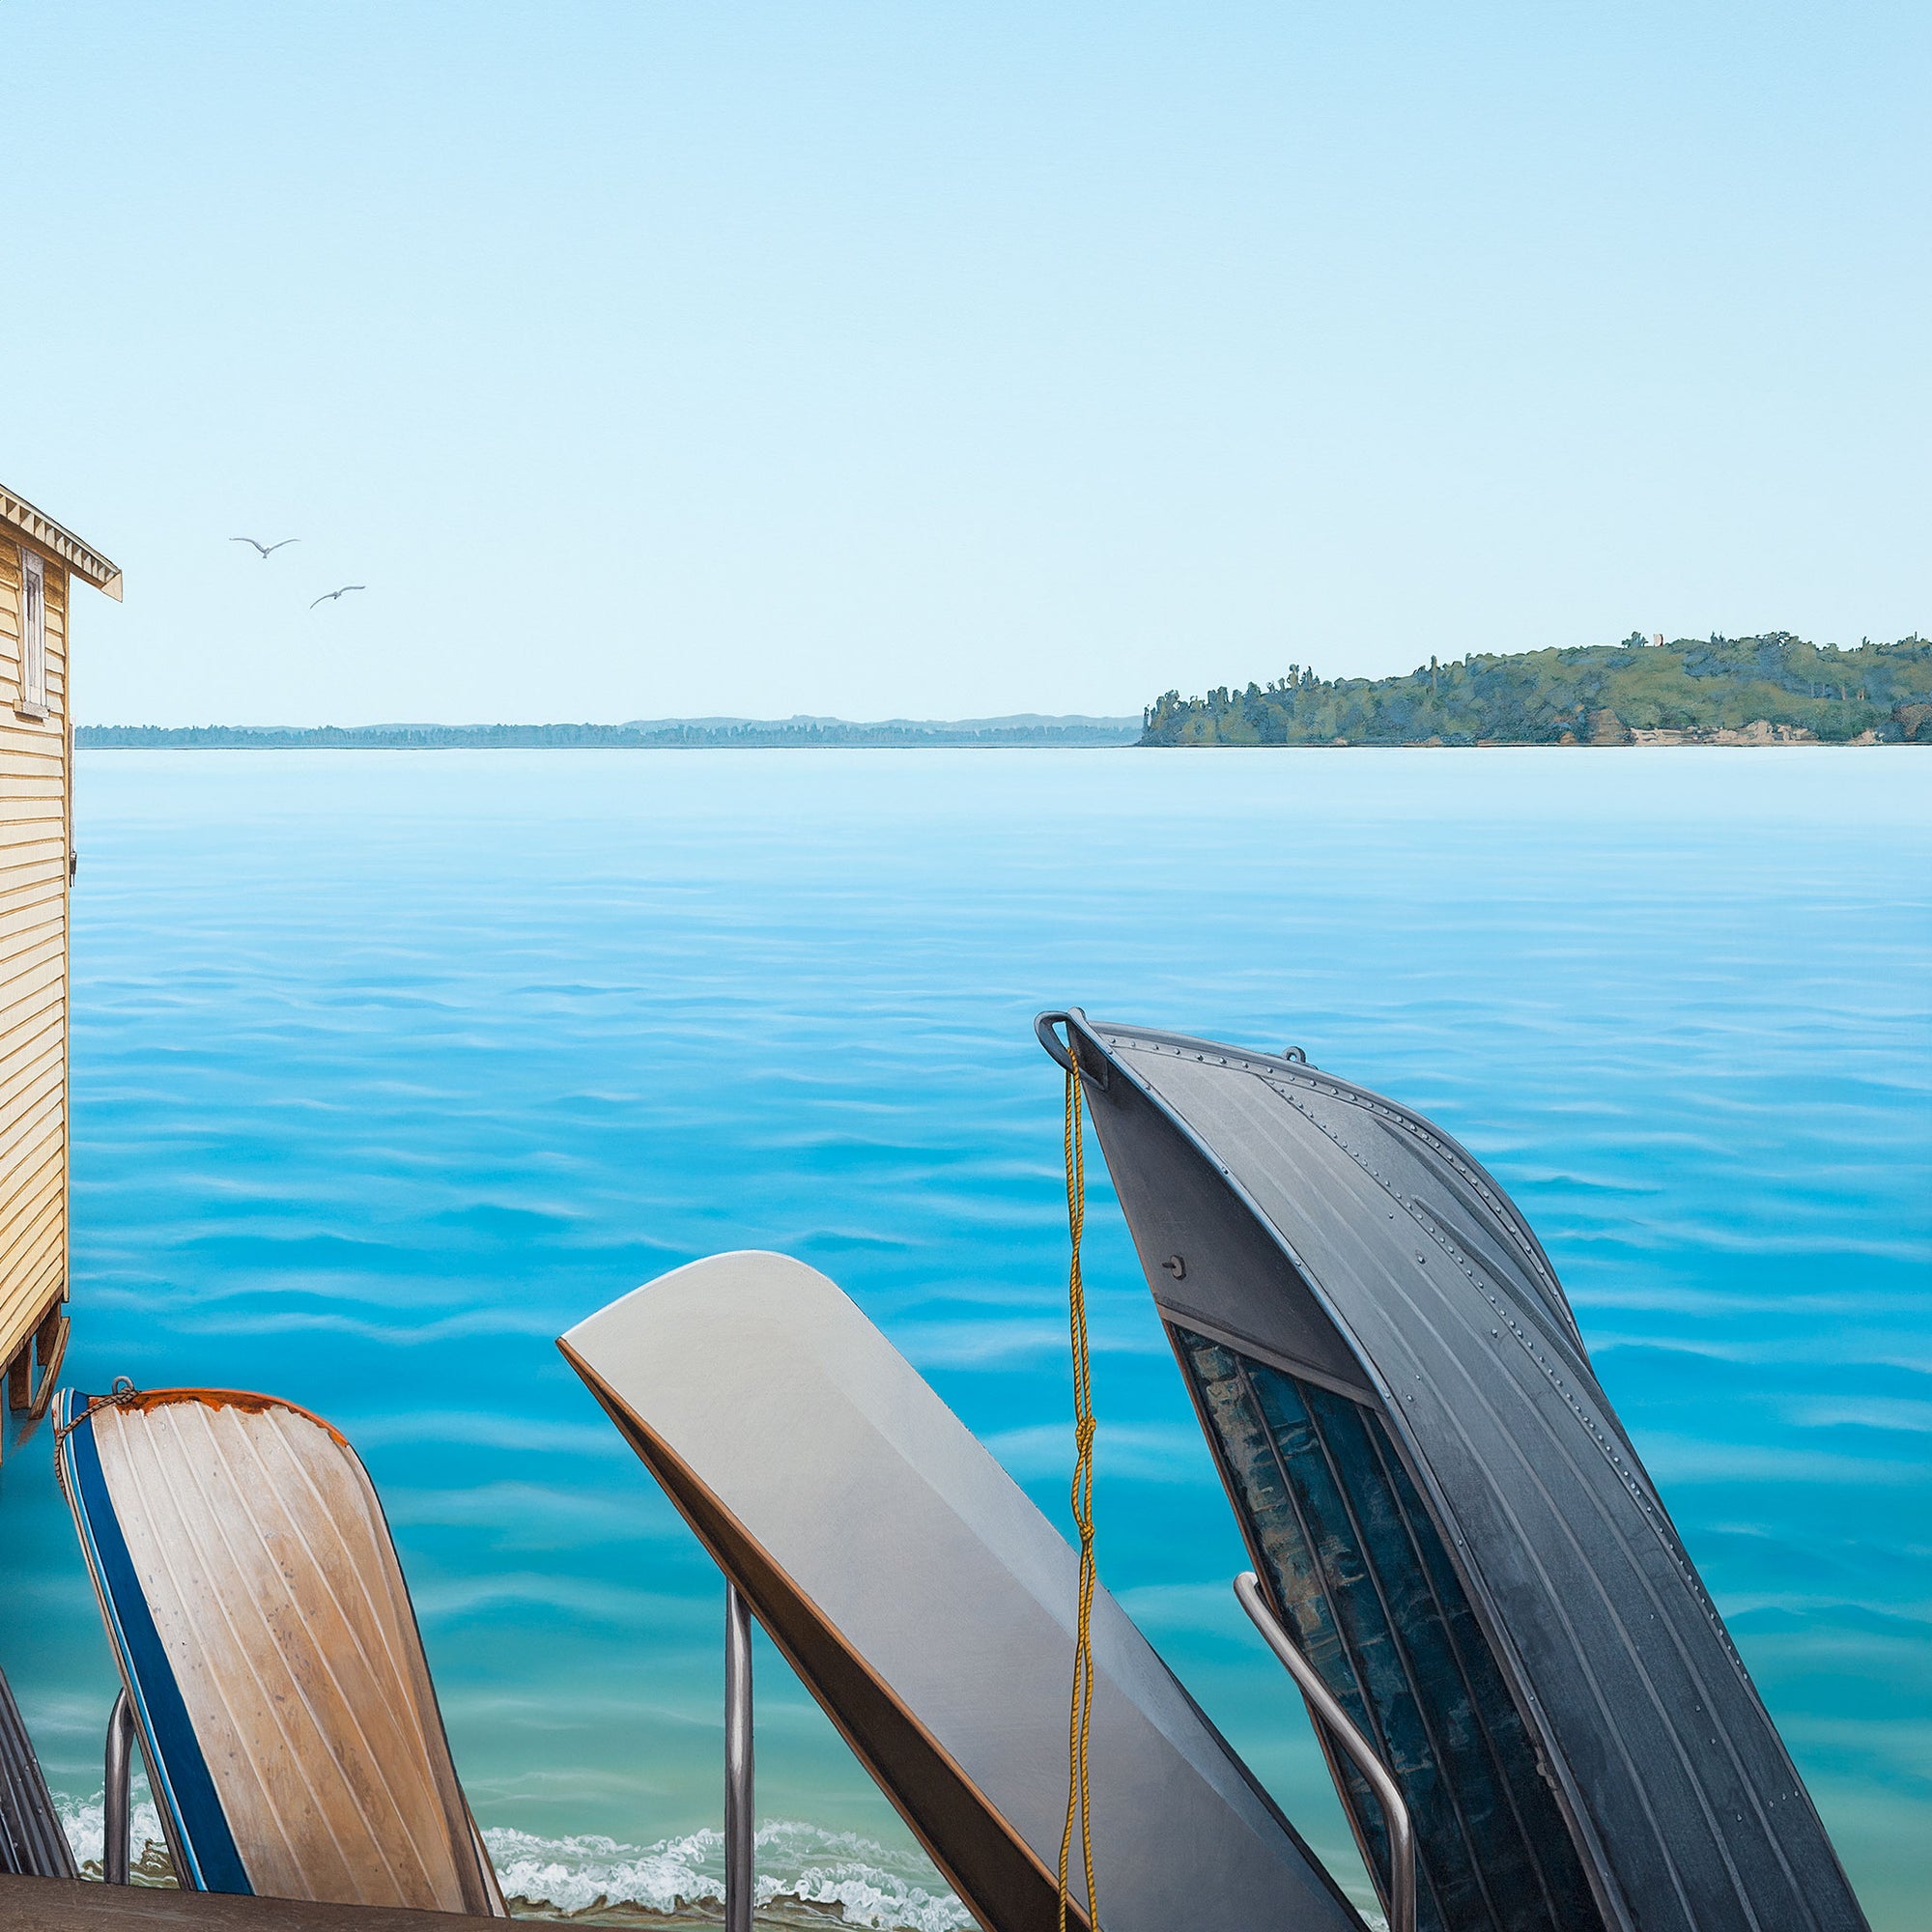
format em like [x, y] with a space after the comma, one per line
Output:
[651, 734]
[1773, 688]
[545, 738]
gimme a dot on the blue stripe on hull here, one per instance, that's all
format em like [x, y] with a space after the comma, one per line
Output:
[187, 1791]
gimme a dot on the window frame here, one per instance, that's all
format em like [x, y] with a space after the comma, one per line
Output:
[32, 700]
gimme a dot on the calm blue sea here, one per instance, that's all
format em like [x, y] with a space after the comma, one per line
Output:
[388, 1067]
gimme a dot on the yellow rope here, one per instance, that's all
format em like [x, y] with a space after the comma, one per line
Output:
[1080, 1716]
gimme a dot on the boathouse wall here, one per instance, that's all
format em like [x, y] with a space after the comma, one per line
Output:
[39, 564]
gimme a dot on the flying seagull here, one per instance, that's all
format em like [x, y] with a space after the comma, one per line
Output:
[330, 596]
[267, 550]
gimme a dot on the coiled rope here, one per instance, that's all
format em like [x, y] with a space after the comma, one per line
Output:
[1080, 1716]
[123, 1391]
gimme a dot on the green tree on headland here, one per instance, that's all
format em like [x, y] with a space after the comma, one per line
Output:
[1691, 690]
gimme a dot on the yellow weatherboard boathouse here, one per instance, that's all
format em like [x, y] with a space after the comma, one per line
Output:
[38, 563]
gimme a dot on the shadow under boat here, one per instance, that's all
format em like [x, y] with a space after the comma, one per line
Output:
[1453, 1534]
[928, 1606]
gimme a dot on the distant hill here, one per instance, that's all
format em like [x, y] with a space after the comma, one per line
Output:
[1766, 690]
[643, 734]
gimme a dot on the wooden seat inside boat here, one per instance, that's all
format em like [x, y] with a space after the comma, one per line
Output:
[269, 1652]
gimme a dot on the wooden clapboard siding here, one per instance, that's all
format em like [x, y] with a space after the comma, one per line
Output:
[29, 937]
[36, 819]
[28, 1063]
[39, 1275]
[32, 948]
[263, 1555]
[35, 1267]
[27, 1149]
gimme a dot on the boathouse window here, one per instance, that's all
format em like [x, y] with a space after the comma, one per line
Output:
[33, 635]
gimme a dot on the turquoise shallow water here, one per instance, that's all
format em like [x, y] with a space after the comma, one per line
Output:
[388, 1067]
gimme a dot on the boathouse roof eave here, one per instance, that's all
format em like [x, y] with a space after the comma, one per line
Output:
[43, 533]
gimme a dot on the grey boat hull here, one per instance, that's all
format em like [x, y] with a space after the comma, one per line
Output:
[32, 1842]
[1444, 1509]
[929, 1608]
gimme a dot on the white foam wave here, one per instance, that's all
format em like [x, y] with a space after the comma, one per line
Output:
[868, 1883]
[81, 1819]
[840, 1873]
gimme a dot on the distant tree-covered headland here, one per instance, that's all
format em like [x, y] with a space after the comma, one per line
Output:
[1723, 691]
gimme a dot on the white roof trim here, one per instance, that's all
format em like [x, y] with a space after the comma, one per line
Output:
[90, 566]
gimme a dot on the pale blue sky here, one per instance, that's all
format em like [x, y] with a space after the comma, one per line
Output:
[945, 360]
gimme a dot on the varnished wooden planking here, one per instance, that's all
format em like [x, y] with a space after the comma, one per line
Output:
[261, 1551]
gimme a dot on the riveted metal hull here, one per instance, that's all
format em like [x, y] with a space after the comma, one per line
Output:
[1445, 1509]
[32, 1842]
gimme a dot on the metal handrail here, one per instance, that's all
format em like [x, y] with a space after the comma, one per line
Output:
[1361, 1753]
[740, 1814]
[117, 1815]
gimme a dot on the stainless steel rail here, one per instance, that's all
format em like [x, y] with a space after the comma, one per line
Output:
[117, 1817]
[740, 1815]
[1361, 1753]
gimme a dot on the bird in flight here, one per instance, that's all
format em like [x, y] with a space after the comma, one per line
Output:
[330, 596]
[267, 550]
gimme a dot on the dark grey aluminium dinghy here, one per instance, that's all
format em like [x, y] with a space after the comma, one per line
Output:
[1450, 1525]
[929, 1608]
[32, 1842]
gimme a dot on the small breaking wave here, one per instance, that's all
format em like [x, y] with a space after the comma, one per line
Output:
[81, 1819]
[805, 1876]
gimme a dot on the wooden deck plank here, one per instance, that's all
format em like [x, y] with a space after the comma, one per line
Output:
[77, 1905]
